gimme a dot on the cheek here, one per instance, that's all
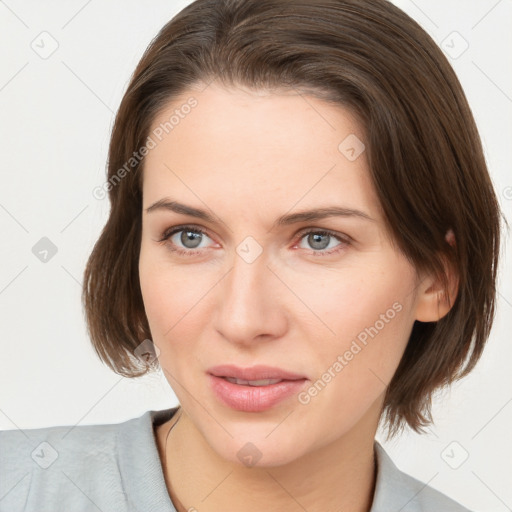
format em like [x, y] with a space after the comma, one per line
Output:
[174, 300]
[348, 300]
[368, 312]
[354, 369]
[162, 293]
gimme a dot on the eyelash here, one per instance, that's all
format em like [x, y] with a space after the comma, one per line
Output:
[184, 252]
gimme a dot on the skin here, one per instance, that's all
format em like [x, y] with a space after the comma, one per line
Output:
[249, 157]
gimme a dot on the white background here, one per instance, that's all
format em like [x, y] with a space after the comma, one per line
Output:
[56, 117]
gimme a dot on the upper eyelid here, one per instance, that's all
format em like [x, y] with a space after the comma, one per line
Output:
[191, 227]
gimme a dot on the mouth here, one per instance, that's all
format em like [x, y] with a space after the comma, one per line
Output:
[254, 389]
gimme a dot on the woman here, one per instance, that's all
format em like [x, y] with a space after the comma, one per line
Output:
[304, 238]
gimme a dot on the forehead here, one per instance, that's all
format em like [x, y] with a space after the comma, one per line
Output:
[266, 148]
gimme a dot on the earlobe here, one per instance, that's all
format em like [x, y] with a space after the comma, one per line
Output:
[434, 300]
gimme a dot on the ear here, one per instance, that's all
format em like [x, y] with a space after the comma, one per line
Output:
[433, 300]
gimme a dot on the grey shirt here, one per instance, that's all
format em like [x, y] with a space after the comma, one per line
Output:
[117, 468]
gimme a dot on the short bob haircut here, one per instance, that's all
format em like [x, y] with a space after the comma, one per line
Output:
[423, 148]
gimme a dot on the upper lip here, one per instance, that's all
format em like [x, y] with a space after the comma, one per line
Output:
[258, 372]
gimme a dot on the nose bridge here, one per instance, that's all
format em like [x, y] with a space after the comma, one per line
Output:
[248, 306]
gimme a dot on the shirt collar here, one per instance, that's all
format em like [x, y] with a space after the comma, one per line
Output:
[393, 488]
[139, 462]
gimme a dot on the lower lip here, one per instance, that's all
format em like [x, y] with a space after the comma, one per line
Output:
[254, 398]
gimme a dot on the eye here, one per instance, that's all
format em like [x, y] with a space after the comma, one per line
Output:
[320, 240]
[186, 239]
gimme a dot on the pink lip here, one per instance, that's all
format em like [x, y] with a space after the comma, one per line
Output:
[253, 398]
[254, 372]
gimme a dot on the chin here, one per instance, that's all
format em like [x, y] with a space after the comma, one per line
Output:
[259, 446]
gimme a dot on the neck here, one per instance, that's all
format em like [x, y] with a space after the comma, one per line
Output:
[339, 476]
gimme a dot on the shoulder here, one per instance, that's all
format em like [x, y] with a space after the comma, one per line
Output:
[397, 489]
[62, 445]
[70, 466]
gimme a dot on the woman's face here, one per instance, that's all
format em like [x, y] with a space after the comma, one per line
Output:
[327, 298]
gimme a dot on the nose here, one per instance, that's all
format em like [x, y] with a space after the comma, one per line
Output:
[251, 302]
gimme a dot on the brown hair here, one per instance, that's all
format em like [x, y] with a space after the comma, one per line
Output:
[423, 148]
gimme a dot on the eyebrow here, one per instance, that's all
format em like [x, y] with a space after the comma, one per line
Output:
[285, 220]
